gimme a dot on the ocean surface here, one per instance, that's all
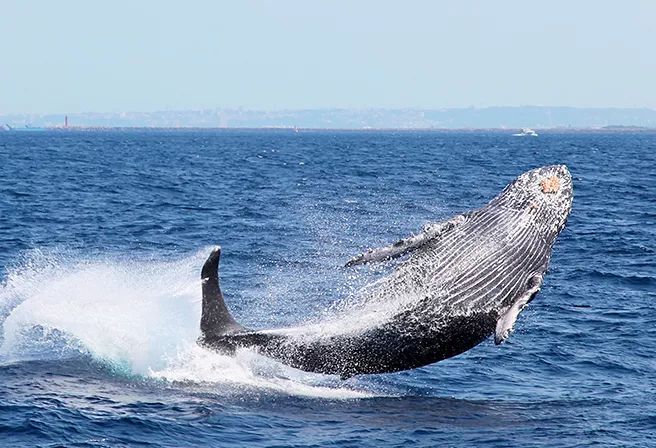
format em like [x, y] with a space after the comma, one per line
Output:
[102, 236]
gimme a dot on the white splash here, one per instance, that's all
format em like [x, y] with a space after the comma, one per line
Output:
[137, 316]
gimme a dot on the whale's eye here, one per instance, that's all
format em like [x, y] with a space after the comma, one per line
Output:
[550, 184]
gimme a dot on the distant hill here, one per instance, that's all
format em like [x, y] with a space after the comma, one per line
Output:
[456, 118]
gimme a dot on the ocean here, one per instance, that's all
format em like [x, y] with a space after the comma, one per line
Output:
[102, 236]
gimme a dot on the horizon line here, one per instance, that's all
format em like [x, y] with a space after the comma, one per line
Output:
[295, 129]
[330, 108]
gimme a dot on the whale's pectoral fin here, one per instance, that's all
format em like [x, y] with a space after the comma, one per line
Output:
[405, 245]
[507, 320]
[215, 320]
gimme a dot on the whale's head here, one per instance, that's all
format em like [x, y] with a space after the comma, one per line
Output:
[544, 194]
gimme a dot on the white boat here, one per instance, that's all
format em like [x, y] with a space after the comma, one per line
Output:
[526, 132]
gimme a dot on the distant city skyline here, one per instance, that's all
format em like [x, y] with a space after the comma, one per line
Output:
[458, 118]
[72, 56]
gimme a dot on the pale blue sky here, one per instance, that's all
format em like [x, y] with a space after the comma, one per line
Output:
[75, 56]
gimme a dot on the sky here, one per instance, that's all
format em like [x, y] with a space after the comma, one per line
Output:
[113, 56]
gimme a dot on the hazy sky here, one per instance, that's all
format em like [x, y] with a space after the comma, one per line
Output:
[74, 56]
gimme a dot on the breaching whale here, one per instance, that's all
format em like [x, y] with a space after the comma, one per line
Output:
[464, 279]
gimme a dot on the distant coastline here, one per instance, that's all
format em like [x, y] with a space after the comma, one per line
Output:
[461, 119]
[506, 131]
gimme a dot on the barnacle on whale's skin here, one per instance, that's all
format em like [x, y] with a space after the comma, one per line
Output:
[550, 185]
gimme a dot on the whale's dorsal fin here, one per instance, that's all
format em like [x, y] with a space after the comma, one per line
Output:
[507, 320]
[405, 245]
[215, 319]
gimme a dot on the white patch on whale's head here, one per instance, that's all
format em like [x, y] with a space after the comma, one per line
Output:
[543, 193]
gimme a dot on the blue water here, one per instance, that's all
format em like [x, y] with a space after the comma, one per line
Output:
[102, 236]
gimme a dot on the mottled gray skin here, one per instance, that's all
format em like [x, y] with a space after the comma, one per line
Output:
[465, 279]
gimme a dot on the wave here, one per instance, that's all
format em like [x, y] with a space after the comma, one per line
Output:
[137, 317]
[634, 279]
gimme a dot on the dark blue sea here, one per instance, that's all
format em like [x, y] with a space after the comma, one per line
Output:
[102, 236]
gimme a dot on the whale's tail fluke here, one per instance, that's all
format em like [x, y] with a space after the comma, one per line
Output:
[215, 320]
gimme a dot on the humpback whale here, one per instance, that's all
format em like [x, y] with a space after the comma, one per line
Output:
[460, 281]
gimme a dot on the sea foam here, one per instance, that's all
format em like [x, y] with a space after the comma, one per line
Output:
[139, 317]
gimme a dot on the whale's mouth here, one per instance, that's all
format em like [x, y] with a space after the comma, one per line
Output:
[550, 185]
